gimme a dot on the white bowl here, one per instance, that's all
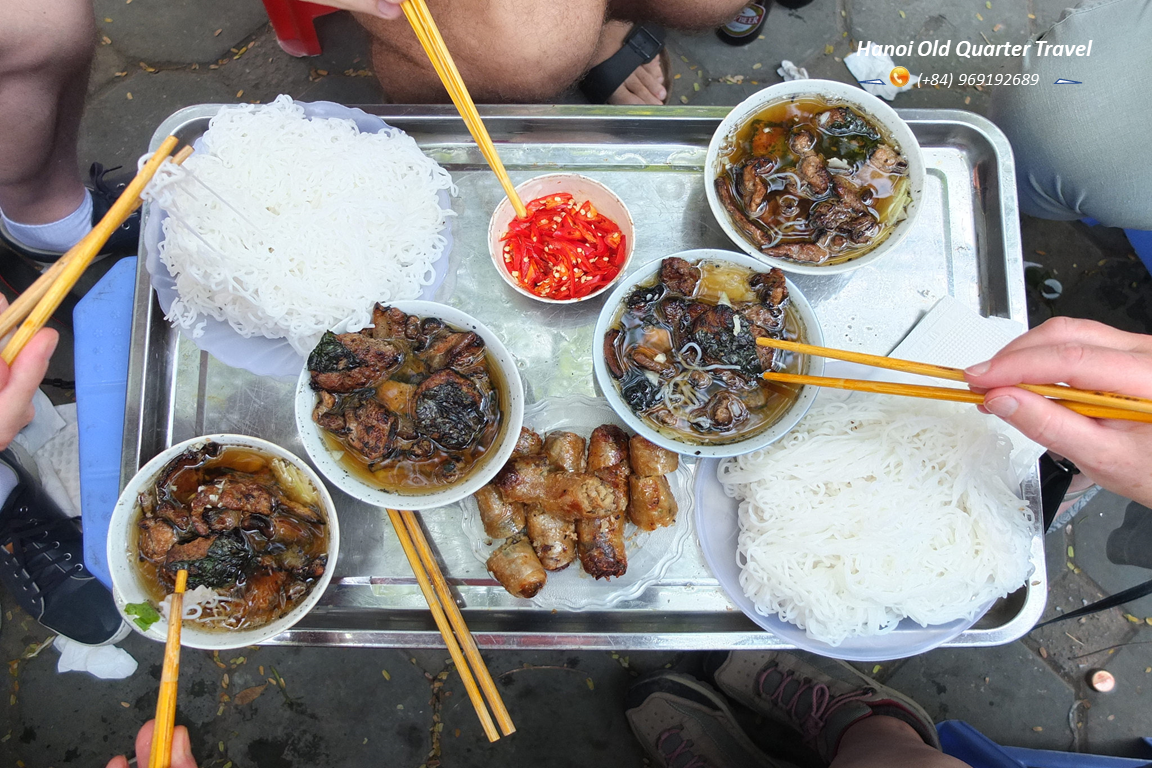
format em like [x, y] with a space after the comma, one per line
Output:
[811, 334]
[581, 188]
[126, 582]
[834, 93]
[513, 408]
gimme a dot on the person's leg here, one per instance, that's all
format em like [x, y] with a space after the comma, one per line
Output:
[1078, 147]
[677, 14]
[506, 50]
[46, 49]
[885, 742]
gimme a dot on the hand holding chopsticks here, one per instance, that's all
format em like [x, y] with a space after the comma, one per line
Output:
[461, 646]
[1099, 405]
[429, 35]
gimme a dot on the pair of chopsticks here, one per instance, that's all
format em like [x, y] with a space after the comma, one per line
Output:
[1097, 405]
[429, 35]
[34, 306]
[161, 755]
[460, 643]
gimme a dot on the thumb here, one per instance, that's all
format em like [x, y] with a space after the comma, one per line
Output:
[1053, 426]
[389, 9]
[182, 749]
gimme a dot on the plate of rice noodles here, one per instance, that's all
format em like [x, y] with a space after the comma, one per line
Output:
[289, 219]
[879, 528]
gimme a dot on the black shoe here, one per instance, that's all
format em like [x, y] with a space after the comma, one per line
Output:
[41, 564]
[104, 191]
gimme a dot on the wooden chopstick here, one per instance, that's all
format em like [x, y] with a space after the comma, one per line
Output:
[953, 394]
[443, 625]
[428, 34]
[161, 755]
[1057, 391]
[23, 304]
[86, 250]
[463, 634]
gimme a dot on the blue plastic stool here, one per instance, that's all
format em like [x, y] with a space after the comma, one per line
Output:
[1141, 241]
[964, 742]
[102, 324]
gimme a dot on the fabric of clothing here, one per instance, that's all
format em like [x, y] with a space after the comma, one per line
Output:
[56, 235]
[1080, 149]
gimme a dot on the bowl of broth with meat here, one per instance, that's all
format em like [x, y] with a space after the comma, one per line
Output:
[250, 522]
[678, 360]
[416, 411]
[814, 177]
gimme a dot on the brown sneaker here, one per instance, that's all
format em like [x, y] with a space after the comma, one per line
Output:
[821, 698]
[683, 723]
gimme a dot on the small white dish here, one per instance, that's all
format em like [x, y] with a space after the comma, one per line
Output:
[126, 580]
[834, 93]
[811, 334]
[581, 188]
[512, 407]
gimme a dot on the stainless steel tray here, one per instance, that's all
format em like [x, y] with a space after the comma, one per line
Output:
[966, 244]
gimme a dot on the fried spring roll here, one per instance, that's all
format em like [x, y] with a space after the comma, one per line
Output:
[527, 444]
[565, 450]
[607, 446]
[572, 495]
[601, 546]
[524, 479]
[617, 476]
[517, 568]
[501, 518]
[649, 459]
[650, 502]
[553, 538]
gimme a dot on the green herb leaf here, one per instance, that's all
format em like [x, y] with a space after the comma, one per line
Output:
[145, 614]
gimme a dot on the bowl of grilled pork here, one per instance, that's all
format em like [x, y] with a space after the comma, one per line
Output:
[418, 410]
[814, 177]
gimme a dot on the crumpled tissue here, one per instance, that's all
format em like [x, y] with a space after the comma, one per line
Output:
[105, 661]
[876, 67]
[790, 71]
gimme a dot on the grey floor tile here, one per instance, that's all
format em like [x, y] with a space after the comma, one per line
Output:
[1115, 720]
[1090, 532]
[1007, 693]
[178, 31]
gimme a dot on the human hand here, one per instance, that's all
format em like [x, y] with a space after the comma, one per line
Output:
[18, 382]
[385, 9]
[181, 748]
[1086, 355]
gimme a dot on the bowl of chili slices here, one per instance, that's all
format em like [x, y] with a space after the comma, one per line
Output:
[574, 244]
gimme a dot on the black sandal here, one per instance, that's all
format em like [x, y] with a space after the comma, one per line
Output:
[644, 43]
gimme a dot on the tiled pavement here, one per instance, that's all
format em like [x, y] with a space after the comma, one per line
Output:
[338, 707]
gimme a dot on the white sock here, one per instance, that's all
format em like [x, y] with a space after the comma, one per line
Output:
[8, 482]
[57, 235]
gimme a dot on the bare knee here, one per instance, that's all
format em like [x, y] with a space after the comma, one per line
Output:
[677, 14]
[518, 52]
[47, 37]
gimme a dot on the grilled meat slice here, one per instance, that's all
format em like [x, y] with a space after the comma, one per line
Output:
[156, 538]
[611, 355]
[740, 220]
[770, 286]
[803, 252]
[449, 409]
[813, 171]
[679, 276]
[723, 342]
[887, 159]
[842, 121]
[370, 430]
[462, 351]
[351, 361]
[802, 141]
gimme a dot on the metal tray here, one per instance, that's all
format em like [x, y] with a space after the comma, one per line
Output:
[966, 244]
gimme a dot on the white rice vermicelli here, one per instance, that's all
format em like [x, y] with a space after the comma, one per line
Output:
[878, 509]
[283, 226]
